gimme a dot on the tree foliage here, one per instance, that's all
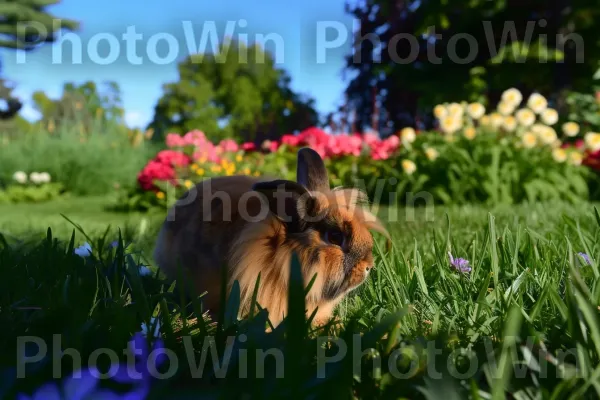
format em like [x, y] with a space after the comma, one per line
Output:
[85, 105]
[236, 93]
[481, 47]
[24, 25]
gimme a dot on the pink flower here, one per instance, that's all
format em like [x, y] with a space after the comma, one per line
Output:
[174, 140]
[249, 146]
[291, 140]
[229, 145]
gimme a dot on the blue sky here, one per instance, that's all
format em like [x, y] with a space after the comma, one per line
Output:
[315, 68]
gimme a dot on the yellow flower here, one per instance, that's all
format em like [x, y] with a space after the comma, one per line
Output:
[188, 184]
[512, 96]
[408, 166]
[559, 155]
[470, 132]
[246, 171]
[239, 158]
[450, 124]
[216, 168]
[200, 171]
[549, 116]
[256, 173]
[440, 111]
[431, 154]
[525, 117]
[160, 195]
[575, 158]
[592, 141]
[408, 135]
[194, 167]
[496, 120]
[476, 110]
[570, 129]
[537, 103]
[202, 160]
[506, 108]
[509, 123]
[529, 140]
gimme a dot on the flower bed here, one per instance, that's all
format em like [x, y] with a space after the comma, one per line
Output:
[510, 155]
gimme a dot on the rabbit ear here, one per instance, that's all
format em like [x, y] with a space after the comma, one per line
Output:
[287, 200]
[311, 171]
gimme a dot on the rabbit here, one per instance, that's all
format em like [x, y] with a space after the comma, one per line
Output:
[249, 227]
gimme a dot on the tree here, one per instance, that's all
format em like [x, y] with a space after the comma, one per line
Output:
[409, 78]
[25, 25]
[85, 105]
[236, 93]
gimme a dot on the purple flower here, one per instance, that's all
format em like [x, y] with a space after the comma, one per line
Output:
[585, 257]
[79, 386]
[84, 384]
[145, 367]
[460, 264]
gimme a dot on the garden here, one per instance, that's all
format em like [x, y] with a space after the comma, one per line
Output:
[486, 175]
[493, 264]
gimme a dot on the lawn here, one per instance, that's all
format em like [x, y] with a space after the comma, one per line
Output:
[528, 290]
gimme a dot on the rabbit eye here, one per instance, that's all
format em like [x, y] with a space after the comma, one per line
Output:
[335, 237]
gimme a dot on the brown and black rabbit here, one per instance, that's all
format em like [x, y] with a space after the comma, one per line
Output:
[246, 224]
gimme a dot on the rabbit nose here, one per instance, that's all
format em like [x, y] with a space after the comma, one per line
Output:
[369, 268]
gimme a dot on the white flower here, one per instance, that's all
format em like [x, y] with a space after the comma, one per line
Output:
[44, 177]
[549, 116]
[496, 120]
[592, 141]
[153, 322]
[456, 110]
[506, 108]
[537, 103]
[35, 177]
[450, 124]
[476, 110]
[547, 135]
[440, 111]
[20, 176]
[431, 153]
[559, 155]
[509, 123]
[512, 96]
[408, 135]
[525, 117]
[570, 129]
[575, 158]
[408, 166]
[84, 251]
[529, 140]
[470, 133]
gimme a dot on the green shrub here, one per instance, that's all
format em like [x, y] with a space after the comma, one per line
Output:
[84, 164]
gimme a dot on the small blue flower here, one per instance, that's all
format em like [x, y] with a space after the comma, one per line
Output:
[84, 251]
[146, 328]
[145, 271]
[460, 264]
[585, 257]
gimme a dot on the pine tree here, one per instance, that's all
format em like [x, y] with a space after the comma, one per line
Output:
[25, 25]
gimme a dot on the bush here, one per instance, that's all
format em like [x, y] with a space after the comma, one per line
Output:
[84, 164]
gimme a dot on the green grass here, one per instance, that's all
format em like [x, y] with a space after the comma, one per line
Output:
[528, 301]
